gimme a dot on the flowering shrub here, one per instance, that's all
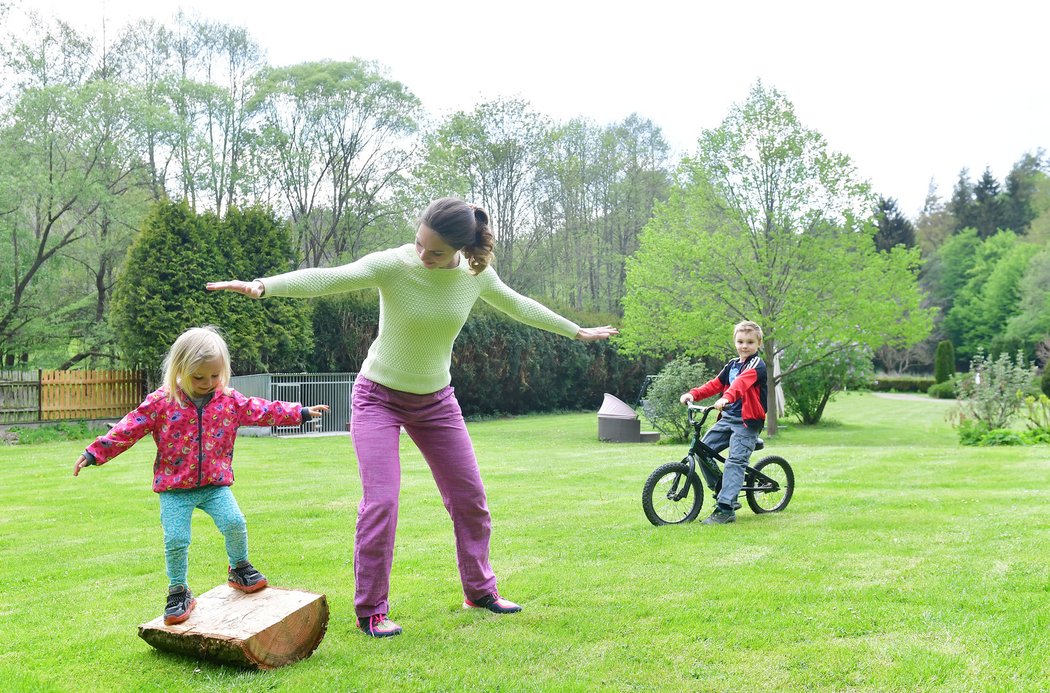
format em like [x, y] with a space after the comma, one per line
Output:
[990, 396]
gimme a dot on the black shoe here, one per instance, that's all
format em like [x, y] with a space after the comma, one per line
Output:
[720, 517]
[180, 604]
[246, 578]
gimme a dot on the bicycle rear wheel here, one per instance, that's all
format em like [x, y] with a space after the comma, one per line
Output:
[768, 498]
[671, 496]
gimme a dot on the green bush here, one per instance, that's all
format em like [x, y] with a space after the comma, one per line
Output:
[499, 366]
[809, 389]
[945, 390]
[663, 406]
[1044, 382]
[48, 433]
[993, 391]
[901, 383]
[944, 362]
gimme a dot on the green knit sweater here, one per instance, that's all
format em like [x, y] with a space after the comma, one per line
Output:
[421, 311]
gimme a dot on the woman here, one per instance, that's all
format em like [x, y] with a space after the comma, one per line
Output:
[425, 295]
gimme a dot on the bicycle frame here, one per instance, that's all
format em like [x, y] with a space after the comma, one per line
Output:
[702, 454]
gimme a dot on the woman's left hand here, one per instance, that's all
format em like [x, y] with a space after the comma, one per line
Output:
[593, 334]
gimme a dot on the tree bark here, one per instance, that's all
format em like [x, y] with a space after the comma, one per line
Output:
[268, 629]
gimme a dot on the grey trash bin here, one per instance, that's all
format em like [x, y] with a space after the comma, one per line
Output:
[618, 422]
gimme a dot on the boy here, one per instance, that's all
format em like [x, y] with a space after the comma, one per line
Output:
[742, 384]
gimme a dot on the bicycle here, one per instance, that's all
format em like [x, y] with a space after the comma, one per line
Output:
[673, 493]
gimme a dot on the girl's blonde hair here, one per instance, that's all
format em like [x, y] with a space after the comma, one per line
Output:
[192, 348]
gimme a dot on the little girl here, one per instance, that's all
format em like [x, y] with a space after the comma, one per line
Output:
[194, 418]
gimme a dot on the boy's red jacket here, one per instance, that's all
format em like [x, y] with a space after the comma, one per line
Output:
[746, 394]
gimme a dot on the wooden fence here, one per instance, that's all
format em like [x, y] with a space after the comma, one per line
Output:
[30, 396]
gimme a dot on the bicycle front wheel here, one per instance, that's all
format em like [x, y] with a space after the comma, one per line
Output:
[671, 496]
[767, 497]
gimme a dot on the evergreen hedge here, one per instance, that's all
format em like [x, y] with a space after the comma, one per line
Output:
[901, 383]
[499, 366]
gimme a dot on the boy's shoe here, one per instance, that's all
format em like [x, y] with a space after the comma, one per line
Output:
[378, 626]
[494, 603]
[720, 517]
[246, 578]
[180, 604]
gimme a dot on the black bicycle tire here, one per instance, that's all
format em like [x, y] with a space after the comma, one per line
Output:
[659, 473]
[787, 488]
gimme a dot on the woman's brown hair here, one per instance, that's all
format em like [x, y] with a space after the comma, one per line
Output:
[464, 227]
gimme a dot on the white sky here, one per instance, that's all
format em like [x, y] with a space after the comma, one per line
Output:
[911, 90]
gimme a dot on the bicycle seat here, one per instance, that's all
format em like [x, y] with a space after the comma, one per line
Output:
[759, 443]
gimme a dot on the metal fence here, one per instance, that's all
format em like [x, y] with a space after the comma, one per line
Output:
[308, 389]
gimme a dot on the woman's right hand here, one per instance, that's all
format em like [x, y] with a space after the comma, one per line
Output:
[82, 462]
[686, 399]
[252, 289]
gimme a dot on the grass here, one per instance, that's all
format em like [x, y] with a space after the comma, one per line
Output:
[905, 562]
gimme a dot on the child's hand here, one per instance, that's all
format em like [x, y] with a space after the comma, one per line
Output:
[252, 289]
[720, 404]
[686, 399]
[82, 462]
[316, 410]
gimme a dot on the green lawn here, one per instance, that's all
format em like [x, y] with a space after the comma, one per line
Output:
[904, 562]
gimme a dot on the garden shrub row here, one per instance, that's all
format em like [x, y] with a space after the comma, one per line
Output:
[901, 383]
[499, 366]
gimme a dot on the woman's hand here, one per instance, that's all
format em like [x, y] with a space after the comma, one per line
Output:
[686, 399]
[82, 462]
[593, 334]
[252, 289]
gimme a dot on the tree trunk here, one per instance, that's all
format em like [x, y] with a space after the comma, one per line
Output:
[264, 630]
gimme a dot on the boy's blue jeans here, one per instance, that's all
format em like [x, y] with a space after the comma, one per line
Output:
[730, 432]
[176, 510]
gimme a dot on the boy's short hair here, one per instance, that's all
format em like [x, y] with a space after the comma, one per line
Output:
[748, 326]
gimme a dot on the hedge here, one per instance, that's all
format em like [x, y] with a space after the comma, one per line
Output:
[499, 366]
[901, 383]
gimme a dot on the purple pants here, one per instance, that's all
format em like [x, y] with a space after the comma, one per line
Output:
[435, 424]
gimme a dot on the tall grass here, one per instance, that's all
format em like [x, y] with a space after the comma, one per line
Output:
[904, 562]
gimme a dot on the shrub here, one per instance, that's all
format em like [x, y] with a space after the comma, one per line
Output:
[1044, 382]
[945, 390]
[66, 430]
[662, 405]
[809, 389]
[993, 391]
[901, 383]
[944, 362]
[1037, 412]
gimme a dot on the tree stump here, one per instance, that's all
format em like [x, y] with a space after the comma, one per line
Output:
[264, 630]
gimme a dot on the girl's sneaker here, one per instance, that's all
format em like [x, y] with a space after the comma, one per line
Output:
[246, 578]
[378, 626]
[180, 604]
[494, 603]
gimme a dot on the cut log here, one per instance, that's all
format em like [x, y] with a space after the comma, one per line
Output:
[268, 629]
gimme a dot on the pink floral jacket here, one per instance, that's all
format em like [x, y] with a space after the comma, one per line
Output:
[194, 447]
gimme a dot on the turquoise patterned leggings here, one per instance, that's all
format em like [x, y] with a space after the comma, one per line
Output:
[176, 508]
